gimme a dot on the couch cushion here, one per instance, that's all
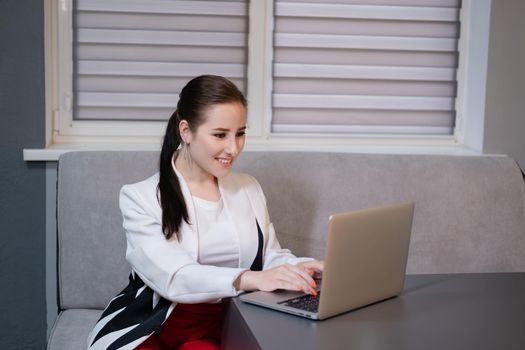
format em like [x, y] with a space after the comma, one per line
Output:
[91, 241]
[72, 328]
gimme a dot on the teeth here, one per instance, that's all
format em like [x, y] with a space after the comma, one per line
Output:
[224, 161]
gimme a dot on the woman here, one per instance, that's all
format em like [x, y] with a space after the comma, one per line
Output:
[196, 233]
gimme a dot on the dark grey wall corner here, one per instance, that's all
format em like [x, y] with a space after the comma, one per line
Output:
[22, 185]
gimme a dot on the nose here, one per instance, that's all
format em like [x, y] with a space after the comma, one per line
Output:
[233, 146]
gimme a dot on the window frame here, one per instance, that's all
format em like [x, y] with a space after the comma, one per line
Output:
[64, 132]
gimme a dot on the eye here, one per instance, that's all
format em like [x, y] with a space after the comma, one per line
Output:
[220, 135]
[241, 133]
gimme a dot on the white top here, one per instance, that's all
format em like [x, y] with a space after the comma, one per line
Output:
[218, 242]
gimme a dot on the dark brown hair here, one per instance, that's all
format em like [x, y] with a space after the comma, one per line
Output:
[199, 94]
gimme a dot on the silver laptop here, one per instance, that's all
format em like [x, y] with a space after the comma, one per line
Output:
[365, 262]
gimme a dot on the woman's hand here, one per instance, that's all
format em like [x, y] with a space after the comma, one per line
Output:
[290, 277]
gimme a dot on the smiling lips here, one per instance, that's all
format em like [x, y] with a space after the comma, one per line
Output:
[225, 162]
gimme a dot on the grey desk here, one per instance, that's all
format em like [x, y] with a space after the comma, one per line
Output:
[456, 311]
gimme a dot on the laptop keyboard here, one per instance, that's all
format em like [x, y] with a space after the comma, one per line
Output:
[306, 302]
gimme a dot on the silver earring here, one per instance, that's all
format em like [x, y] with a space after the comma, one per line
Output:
[186, 153]
[184, 150]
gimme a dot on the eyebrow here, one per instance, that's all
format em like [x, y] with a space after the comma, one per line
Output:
[224, 129]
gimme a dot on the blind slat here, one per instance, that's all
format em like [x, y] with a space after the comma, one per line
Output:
[158, 37]
[173, 69]
[365, 87]
[361, 129]
[343, 26]
[361, 117]
[363, 72]
[363, 102]
[432, 3]
[213, 8]
[404, 13]
[164, 53]
[364, 42]
[148, 21]
[142, 84]
[97, 99]
[365, 57]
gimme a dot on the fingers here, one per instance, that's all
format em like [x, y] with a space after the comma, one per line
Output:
[300, 278]
[314, 267]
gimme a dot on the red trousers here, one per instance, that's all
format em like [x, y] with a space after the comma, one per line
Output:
[189, 327]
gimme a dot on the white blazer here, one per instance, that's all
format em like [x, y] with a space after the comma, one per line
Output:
[170, 268]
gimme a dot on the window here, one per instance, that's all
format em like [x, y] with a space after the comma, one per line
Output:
[317, 75]
[132, 58]
[351, 67]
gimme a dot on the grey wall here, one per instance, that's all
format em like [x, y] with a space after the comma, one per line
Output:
[505, 94]
[22, 185]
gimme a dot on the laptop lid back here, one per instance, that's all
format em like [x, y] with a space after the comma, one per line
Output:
[366, 257]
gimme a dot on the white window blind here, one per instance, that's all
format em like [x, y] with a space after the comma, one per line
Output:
[132, 57]
[365, 66]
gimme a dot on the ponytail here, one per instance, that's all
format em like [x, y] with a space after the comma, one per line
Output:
[169, 192]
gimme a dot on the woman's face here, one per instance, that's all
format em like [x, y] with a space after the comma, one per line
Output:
[218, 141]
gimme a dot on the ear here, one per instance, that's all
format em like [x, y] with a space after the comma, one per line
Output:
[185, 131]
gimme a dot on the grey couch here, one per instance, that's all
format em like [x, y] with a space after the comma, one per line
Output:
[470, 215]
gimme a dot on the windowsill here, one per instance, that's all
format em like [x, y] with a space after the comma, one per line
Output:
[443, 146]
